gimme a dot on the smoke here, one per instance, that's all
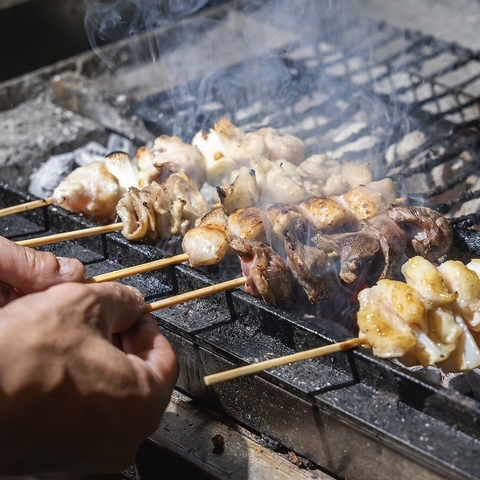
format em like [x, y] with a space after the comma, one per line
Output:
[288, 65]
[112, 20]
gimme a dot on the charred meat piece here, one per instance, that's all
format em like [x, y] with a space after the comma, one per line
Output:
[428, 232]
[266, 272]
[312, 268]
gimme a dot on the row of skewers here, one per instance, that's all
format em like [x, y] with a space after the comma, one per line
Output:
[351, 237]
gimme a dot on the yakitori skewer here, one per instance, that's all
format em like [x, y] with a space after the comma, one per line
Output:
[60, 237]
[146, 267]
[194, 294]
[25, 207]
[277, 362]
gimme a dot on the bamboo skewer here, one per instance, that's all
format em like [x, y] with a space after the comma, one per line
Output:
[193, 295]
[25, 207]
[276, 362]
[60, 237]
[146, 267]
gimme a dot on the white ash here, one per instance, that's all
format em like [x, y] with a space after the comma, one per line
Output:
[46, 178]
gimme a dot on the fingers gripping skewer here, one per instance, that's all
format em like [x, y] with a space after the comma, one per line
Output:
[25, 207]
[60, 237]
[276, 362]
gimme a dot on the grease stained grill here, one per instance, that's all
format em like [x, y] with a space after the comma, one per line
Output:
[360, 91]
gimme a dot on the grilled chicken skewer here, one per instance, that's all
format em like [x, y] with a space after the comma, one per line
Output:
[432, 319]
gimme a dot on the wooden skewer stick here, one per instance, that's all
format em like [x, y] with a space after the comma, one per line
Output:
[60, 237]
[276, 362]
[146, 267]
[194, 294]
[24, 207]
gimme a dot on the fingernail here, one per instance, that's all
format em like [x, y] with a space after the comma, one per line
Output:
[138, 294]
[67, 266]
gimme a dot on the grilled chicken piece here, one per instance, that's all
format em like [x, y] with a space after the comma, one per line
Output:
[242, 193]
[392, 243]
[174, 155]
[266, 142]
[206, 243]
[386, 315]
[280, 217]
[266, 272]
[373, 252]
[426, 319]
[367, 201]
[90, 190]
[247, 223]
[427, 280]
[429, 234]
[327, 215]
[323, 175]
[466, 283]
[312, 268]
[161, 211]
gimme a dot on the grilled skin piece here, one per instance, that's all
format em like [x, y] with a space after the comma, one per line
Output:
[161, 211]
[428, 232]
[266, 272]
[312, 268]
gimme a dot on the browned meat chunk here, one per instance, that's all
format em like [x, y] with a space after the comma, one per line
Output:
[428, 232]
[312, 268]
[266, 272]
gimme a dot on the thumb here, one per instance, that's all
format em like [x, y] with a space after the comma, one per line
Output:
[30, 271]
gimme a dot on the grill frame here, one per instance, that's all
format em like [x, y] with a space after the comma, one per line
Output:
[355, 415]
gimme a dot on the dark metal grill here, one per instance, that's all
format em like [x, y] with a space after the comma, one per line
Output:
[355, 415]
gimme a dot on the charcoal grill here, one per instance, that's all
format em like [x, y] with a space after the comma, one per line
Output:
[356, 89]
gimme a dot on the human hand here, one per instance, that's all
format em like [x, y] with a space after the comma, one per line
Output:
[24, 270]
[71, 401]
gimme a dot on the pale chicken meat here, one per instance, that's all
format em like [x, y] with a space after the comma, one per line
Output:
[161, 211]
[466, 284]
[266, 142]
[226, 148]
[170, 154]
[242, 193]
[124, 168]
[206, 243]
[266, 272]
[90, 190]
